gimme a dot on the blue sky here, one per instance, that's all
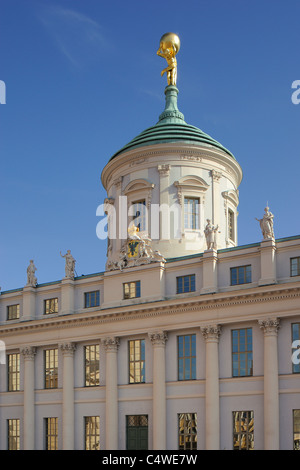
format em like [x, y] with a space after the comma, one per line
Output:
[82, 79]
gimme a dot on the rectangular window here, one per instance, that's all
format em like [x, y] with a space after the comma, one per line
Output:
[92, 369]
[231, 224]
[51, 434]
[186, 283]
[296, 429]
[191, 213]
[139, 211]
[92, 299]
[243, 430]
[51, 306]
[295, 266]
[13, 312]
[13, 434]
[51, 368]
[187, 431]
[92, 432]
[132, 290]
[13, 372]
[187, 357]
[240, 275]
[295, 337]
[242, 354]
[137, 361]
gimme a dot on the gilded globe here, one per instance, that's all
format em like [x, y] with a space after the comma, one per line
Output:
[168, 40]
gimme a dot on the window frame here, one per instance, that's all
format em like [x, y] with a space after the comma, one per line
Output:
[55, 299]
[13, 433]
[297, 267]
[51, 433]
[194, 213]
[96, 364]
[139, 364]
[15, 316]
[50, 380]
[184, 372]
[13, 375]
[91, 438]
[192, 283]
[238, 268]
[240, 433]
[239, 353]
[187, 431]
[137, 290]
[94, 299]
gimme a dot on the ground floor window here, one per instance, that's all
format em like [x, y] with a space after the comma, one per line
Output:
[51, 433]
[243, 430]
[92, 432]
[13, 434]
[137, 432]
[187, 431]
[296, 429]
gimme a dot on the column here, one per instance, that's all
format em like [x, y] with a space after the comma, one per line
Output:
[28, 353]
[111, 345]
[215, 176]
[271, 388]
[68, 395]
[211, 334]
[158, 340]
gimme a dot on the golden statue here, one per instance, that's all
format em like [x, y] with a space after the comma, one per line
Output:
[168, 47]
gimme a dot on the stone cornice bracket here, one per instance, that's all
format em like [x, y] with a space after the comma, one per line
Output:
[158, 337]
[68, 348]
[211, 332]
[270, 326]
[28, 352]
[108, 202]
[164, 170]
[111, 343]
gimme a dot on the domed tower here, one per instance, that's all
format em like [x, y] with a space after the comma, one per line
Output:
[173, 186]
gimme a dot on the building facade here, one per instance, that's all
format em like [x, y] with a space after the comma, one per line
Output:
[186, 340]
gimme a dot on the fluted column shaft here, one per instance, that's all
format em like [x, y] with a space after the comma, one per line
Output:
[68, 396]
[211, 334]
[111, 345]
[271, 386]
[158, 340]
[29, 414]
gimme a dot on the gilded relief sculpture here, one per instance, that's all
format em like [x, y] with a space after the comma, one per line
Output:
[168, 48]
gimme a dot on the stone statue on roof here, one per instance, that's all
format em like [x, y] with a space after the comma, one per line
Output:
[31, 278]
[70, 264]
[267, 224]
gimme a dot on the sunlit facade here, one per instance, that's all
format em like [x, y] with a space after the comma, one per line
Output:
[181, 343]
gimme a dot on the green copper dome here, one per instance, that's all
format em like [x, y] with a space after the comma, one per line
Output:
[171, 128]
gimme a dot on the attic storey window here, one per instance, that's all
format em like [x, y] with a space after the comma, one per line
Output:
[92, 299]
[191, 213]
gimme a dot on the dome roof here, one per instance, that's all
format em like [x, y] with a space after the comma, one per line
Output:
[171, 127]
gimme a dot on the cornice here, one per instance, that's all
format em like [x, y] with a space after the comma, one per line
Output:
[165, 308]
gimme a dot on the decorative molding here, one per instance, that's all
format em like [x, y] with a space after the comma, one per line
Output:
[164, 170]
[28, 352]
[138, 161]
[111, 343]
[190, 184]
[158, 337]
[211, 332]
[216, 175]
[191, 158]
[68, 348]
[270, 326]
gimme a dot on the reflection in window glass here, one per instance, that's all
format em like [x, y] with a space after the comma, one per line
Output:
[51, 368]
[242, 355]
[185, 284]
[13, 365]
[51, 306]
[137, 361]
[191, 213]
[13, 312]
[51, 433]
[132, 290]
[187, 431]
[92, 432]
[240, 275]
[296, 429]
[91, 365]
[187, 357]
[13, 434]
[243, 430]
[295, 266]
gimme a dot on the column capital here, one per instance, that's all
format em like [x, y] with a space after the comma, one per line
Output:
[28, 352]
[158, 337]
[68, 348]
[270, 326]
[111, 343]
[211, 332]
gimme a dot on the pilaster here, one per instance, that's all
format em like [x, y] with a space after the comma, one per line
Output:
[29, 353]
[267, 262]
[68, 350]
[209, 272]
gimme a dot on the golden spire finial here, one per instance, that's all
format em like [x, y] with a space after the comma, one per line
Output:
[168, 47]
